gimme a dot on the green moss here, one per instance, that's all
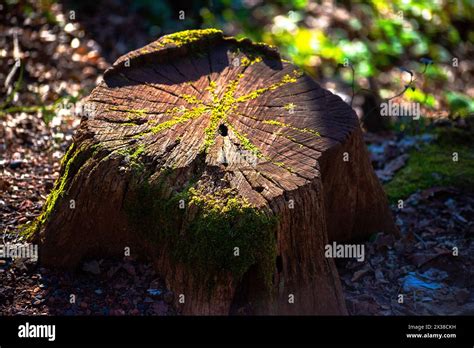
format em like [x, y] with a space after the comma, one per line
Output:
[132, 152]
[225, 222]
[289, 126]
[181, 115]
[204, 234]
[285, 80]
[433, 165]
[97, 147]
[197, 40]
[70, 164]
[249, 146]
[220, 108]
[250, 60]
[253, 49]
[137, 152]
[134, 113]
[189, 36]
[131, 113]
[132, 155]
[289, 106]
[191, 99]
[246, 143]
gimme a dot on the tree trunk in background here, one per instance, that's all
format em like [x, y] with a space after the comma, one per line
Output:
[371, 119]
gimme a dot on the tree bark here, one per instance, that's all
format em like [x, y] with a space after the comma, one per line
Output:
[225, 165]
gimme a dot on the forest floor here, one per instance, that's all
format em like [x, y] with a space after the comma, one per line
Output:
[62, 65]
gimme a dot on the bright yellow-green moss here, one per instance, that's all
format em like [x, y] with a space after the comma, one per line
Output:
[197, 40]
[71, 162]
[181, 116]
[136, 114]
[188, 36]
[220, 109]
[212, 86]
[137, 152]
[246, 143]
[191, 99]
[249, 146]
[285, 80]
[58, 190]
[255, 45]
[247, 61]
[286, 125]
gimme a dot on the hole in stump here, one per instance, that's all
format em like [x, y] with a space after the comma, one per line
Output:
[279, 263]
[259, 189]
[223, 130]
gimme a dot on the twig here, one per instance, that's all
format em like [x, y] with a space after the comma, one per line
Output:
[8, 81]
[16, 58]
[410, 83]
[419, 239]
[10, 75]
[15, 89]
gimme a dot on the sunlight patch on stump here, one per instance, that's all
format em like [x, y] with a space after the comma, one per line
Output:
[226, 166]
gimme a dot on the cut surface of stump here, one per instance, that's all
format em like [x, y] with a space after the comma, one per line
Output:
[227, 166]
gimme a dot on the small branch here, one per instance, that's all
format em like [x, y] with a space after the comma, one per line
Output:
[412, 80]
[9, 79]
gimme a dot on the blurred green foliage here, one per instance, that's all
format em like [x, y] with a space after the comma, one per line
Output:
[375, 36]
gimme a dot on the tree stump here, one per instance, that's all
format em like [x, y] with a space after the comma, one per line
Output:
[225, 165]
